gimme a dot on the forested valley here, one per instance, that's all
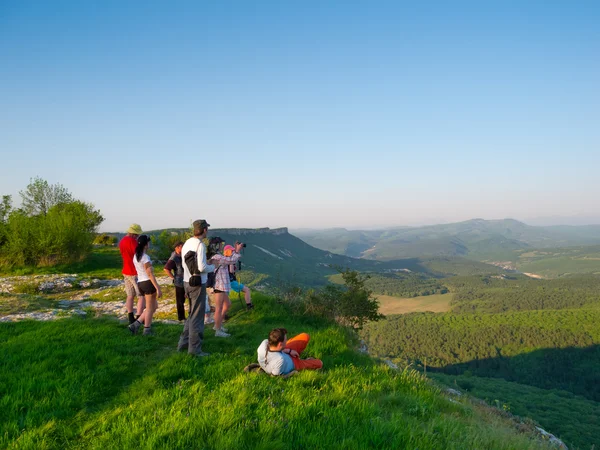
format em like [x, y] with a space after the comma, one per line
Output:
[526, 345]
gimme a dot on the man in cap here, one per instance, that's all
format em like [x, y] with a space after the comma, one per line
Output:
[127, 247]
[193, 330]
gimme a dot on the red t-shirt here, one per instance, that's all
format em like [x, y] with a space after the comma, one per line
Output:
[127, 247]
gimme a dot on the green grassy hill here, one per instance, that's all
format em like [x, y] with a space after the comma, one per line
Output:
[86, 383]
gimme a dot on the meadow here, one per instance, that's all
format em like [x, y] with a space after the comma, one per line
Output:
[389, 305]
[86, 383]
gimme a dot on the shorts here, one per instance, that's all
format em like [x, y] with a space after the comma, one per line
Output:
[237, 287]
[218, 291]
[146, 287]
[131, 287]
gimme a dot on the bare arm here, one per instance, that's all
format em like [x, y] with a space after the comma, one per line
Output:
[150, 273]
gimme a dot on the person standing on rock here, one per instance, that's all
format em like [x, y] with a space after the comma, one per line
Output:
[147, 285]
[174, 269]
[127, 247]
[193, 330]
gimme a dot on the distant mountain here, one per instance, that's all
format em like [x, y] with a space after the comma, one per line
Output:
[477, 239]
[274, 257]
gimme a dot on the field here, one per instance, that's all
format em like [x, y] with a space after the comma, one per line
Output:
[86, 383]
[389, 305]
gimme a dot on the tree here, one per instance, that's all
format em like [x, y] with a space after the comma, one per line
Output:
[39, 196]
[351, 305]
[5, 208]
[51, 228]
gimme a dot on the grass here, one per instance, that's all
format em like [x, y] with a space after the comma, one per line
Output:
[85, 383]
[396, 305]
[579, 425]
[102, 262]
[21, 303]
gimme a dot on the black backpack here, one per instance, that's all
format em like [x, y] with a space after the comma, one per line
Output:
[212, 278]
[191, 261]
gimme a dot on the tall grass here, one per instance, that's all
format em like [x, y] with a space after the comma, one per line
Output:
[86, 383]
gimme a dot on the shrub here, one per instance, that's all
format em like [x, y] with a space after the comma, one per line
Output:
[59, 230]
[351, 305]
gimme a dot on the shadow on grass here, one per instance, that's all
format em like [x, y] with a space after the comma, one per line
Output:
[572, 369]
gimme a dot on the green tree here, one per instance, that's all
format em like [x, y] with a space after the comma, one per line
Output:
[56, 229]
[39, 196]
[5, 208]
[351, 305]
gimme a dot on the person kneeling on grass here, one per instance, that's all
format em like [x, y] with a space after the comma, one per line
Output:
[280, 356]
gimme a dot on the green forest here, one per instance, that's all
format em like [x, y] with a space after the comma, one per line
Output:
[514, 341]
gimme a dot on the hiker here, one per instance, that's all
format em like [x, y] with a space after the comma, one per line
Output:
[239, 287]
[147, 285]
[174, 269]
[127, 247]
[280, 356]
[193, 330]
[213, 246]
[222, 284]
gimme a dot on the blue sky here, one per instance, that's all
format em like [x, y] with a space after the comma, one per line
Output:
[304, 114]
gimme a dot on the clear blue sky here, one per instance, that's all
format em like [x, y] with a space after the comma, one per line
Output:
[304, 114]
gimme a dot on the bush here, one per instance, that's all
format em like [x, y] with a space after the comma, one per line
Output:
[60, 233]
[105, 239]
[163, 244]
[351, 305]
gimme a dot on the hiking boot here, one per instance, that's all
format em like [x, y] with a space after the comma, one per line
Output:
[135, 326]
[148, 331]
[220, 333]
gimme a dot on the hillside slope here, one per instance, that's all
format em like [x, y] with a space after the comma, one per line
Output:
[274, 257]
[85, 383]
[477, 238]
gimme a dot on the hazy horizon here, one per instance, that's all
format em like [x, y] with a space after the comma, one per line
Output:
[279, 114]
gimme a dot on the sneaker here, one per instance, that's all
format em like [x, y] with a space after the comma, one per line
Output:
[200, 354]
[223, 329]
[220, 333]
[249, 306]
[134, 327]
[148, 332]
[209, 320]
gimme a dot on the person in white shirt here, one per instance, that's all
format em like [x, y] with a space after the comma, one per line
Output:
[193, 330]
[147, 285]
[279, 356]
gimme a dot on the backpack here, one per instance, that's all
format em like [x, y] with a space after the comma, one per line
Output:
[212, 278]
[191, 261]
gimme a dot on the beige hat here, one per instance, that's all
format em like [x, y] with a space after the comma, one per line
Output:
[134, 228]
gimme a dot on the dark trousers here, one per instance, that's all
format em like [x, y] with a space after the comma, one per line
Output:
[193, 330]
[180, 301]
